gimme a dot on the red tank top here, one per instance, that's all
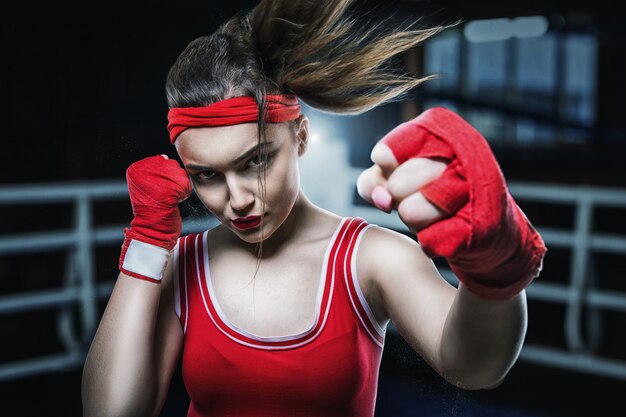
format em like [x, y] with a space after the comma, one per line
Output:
[329, 370]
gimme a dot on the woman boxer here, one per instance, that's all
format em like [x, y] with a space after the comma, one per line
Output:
[281, 310]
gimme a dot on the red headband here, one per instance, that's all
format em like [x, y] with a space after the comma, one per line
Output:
[232, 111]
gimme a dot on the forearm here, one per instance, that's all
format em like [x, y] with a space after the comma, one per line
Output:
[120, 376]
[481, 339]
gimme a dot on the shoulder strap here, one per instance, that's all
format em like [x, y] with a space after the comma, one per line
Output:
[184, 257]
[356, 297]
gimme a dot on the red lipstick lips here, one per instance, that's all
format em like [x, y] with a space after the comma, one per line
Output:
[244, 223]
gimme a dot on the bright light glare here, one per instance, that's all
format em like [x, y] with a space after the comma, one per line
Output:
[503, 28]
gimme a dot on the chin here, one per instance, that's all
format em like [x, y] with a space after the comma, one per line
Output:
[252, 237]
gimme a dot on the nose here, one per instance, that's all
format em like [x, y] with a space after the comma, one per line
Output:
[240, 195]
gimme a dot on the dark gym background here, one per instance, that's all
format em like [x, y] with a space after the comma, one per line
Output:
[82, 97]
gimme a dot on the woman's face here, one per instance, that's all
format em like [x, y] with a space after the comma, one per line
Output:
[224, 165]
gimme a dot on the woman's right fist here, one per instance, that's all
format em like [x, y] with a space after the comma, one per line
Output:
[156, 185]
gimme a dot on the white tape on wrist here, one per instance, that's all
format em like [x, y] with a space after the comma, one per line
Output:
[146, 259]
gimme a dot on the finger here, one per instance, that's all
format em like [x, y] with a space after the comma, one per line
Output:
[382, 156]
[371, 186]
[418, 213]
[412, 175]
[382, 198]
[368, 180]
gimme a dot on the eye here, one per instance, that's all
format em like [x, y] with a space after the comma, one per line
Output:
[259, 160]
[205, 175]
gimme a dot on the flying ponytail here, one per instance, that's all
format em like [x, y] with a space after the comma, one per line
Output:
[314, 49]
[329, 58]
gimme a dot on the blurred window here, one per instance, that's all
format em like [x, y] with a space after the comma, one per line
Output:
[518, 81]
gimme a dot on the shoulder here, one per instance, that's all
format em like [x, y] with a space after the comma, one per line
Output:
[212, 233]
[386, 254]
[393, 270]
[381, 242]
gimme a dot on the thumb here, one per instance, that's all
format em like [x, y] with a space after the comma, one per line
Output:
[371, 186]
[382, 156]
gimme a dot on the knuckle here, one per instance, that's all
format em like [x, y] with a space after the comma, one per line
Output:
[396, 186]
[368, 177]
[407, 211]
[382, 155]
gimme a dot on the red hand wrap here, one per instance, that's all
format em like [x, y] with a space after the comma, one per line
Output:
[487, 240]
[156, 186]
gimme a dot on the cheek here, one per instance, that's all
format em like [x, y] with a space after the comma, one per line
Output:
[283, 183]
[212, 199]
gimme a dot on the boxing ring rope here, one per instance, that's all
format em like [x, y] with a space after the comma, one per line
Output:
[81, 290]
[80, 287]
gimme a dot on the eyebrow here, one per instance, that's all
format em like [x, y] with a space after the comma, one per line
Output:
[247, 154]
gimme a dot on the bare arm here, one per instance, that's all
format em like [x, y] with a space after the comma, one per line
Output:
[481, 339]
[440, 175]
[134, 352]
[469, 341]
